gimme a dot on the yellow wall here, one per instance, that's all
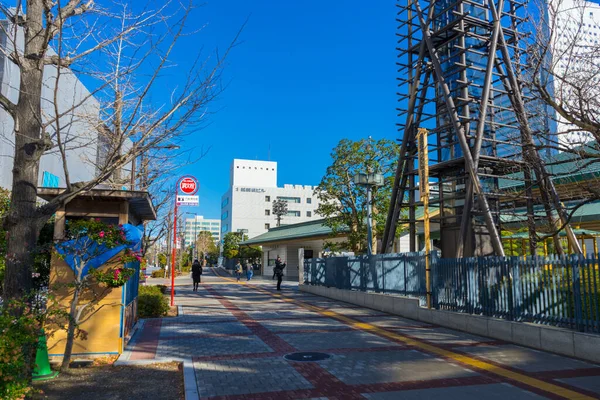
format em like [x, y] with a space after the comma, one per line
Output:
[101, 322]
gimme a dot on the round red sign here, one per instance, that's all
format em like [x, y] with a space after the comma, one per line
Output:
[188, 185]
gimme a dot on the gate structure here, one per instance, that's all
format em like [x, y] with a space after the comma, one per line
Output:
[460, 64]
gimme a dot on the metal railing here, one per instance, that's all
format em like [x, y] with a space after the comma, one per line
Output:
[402, 274]
[559, 291]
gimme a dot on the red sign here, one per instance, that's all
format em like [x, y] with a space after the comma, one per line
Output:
[188, 185]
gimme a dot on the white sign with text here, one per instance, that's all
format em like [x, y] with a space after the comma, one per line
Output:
[187, 200]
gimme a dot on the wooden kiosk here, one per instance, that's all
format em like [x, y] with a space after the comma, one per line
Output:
[108, 325]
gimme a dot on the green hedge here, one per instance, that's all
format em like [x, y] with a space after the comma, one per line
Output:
[151, 302]
[158, 273]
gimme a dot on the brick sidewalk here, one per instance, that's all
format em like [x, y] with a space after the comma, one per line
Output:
[236, 336]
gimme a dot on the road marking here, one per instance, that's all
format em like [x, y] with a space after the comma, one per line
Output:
[464, 359]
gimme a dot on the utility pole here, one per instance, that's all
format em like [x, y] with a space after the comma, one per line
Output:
[424, 189]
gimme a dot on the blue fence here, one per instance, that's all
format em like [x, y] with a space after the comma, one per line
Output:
[559, 291]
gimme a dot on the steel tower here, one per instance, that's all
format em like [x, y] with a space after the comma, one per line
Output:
[461, 65]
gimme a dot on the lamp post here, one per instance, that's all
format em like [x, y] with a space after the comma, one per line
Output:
[369, 181]
[241, 232]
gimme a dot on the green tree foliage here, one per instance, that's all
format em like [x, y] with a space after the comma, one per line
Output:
[231, 244]
[162, 260]
[41, 268]
[231, 247]
[344, 204]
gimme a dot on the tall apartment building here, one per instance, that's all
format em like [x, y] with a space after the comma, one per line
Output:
[193, 226]
[248, 203]
[574, 42]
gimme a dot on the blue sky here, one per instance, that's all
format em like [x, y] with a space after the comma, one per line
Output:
[306, 74]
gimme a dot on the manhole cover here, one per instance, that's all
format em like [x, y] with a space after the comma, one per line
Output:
[306, 356]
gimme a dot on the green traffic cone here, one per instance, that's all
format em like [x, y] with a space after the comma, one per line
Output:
[42, 370]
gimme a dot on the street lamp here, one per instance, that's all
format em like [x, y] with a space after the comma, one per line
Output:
[241, 232]
[369, 181]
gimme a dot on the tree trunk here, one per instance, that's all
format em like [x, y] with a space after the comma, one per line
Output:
[23, 224]
[71, 330]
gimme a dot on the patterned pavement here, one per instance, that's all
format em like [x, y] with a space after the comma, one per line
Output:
[236, 335]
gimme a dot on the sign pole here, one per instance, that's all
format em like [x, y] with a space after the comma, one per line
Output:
[424, 189]
[173, 252]
[189, 186]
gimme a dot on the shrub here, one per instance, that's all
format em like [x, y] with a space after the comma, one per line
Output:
[151, 302]
[158, 273]
[16, 334]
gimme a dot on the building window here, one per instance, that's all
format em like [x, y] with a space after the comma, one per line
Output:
[267, 198]
[309, 214]
[267, 212]
[308, 200]
[224, 215]
[289, 199]
[293, 213]
[225, 202]
[267, 226]
[224, 228]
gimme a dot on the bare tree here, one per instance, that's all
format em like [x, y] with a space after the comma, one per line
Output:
[565, 72]
[563, 75]
[127, 54]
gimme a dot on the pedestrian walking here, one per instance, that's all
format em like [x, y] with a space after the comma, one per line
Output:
[278, 271]
[196, 274]
[238, 270]
[249, 271]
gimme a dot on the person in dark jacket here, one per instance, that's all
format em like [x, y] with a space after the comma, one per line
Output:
[196, 274]
[278, 271]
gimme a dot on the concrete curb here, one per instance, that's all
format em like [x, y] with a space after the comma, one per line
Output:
[189, 380]
[562, 341]
[190, 385]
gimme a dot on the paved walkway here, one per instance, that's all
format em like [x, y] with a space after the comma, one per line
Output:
[233, 336]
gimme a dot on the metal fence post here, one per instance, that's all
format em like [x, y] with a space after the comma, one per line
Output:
[575, 260]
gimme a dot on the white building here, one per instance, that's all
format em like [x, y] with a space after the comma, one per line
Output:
[574, 44]
[193, 226]
[79, 122]
[248, 204]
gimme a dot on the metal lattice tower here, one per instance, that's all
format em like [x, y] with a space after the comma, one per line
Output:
[460, 64]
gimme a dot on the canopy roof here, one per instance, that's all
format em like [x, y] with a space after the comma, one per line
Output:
[315, 229]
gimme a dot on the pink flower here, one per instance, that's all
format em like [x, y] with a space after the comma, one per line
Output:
[101, 234]
[117, 273]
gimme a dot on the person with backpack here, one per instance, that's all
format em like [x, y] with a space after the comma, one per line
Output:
[278, 271]
[238, 270]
